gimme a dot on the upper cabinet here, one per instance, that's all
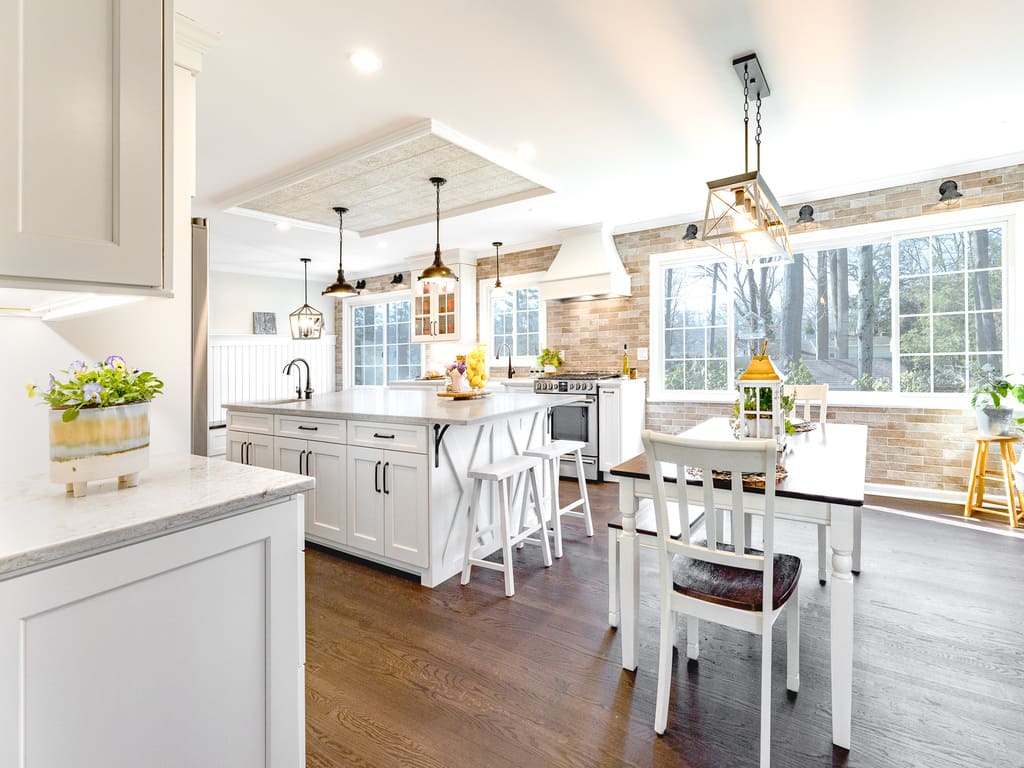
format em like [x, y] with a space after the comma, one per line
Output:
[448, 314]
[85, 138]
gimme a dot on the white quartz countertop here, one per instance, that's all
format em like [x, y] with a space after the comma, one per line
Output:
[41, 525]
[409, 406]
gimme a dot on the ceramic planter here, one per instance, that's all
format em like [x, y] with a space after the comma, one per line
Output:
[100, 443]
[995, 421]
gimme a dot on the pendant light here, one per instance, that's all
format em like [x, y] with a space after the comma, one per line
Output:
[498, 291]
[306, 322]
[340, 287]
[743, 220]
[437, 273]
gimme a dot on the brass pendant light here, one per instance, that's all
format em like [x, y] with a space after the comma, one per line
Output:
[340, 287]
[743, 220]
[437, 273]
[498, 290]
[306, 322]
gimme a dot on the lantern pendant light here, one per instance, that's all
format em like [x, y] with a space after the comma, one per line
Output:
[340, 287]
[743, 220]
[498, 290]
[306, 322]
[437, 273]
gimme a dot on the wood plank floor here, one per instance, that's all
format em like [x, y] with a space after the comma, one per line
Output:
[400, 675]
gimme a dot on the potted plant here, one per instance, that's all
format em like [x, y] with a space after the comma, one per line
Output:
[99, 422]
[550, 360]
[786, 405]
[990, 398]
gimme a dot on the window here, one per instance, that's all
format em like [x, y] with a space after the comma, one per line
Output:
[515, 318]
[866, 310]
[381, 348]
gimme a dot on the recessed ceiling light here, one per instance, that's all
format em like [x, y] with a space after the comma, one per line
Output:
[282, 226]
[382, 244]
[365, 61]
[526, 151]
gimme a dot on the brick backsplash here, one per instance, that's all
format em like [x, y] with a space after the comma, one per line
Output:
[592, 332]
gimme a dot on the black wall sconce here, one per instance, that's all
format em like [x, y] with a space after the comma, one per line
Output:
[691, 232]
[398, 279]
[806, 215]
[360, 284]
[948, 191]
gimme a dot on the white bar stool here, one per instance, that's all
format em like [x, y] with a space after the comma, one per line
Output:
[551, 454]
[503, 472]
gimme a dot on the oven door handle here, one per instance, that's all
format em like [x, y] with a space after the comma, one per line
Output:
[572, 460]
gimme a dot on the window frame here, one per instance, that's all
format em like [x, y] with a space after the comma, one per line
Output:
[348, 333]
[1004, 215]
[485, 318]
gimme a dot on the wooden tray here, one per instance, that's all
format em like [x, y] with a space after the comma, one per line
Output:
[464, 395]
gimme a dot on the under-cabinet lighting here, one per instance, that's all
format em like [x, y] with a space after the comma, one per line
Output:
[82, 304]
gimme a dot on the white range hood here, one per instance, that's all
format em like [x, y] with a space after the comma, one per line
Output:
[587, 266]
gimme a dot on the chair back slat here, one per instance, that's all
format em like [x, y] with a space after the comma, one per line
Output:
[733, 456]
[809, 394]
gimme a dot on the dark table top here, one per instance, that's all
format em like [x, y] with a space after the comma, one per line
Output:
[826, 464]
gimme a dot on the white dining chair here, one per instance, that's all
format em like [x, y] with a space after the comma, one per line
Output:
[733, 585]
[808, 395]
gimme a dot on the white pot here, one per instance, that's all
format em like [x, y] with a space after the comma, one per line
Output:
[995, 421]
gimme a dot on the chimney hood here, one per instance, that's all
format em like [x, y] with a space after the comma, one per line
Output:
[587, 266]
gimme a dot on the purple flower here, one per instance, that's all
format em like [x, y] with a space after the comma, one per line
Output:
[76, 366]
[53, 384]
[91, 392]
[115, 361]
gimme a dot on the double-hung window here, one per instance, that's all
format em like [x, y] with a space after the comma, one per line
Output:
[513, 319]
[380, 330]
[911, 307]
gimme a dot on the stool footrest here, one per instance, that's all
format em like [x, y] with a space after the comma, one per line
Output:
[486, 564]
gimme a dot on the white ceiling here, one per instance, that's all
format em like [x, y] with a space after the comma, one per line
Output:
[632, 107]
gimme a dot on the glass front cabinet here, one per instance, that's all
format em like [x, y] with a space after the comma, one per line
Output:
[440, 313]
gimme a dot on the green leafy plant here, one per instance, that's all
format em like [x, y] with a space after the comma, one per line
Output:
[797, 372]
[764, 394]
[105, 384]
[991, 388]
[549, 357]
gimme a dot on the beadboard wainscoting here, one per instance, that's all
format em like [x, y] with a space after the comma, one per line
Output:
[246, 368]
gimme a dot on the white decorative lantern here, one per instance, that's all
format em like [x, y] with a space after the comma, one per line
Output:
[761, 415]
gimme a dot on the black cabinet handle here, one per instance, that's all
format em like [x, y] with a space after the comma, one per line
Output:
[376, 477]
[302, 455]
[383, 437]
[309, 455]
[248, 452]
[386, 464]
[311, 429]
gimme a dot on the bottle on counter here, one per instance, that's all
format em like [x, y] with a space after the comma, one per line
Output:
[625, 360]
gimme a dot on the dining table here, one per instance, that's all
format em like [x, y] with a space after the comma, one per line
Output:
[823, 484]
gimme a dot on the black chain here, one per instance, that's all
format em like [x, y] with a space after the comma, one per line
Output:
[746, 118]
[757, 132]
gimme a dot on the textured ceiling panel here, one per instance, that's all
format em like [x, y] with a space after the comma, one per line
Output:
[387, 187]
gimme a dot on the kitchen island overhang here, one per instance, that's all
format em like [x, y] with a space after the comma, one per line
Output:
[401, 494]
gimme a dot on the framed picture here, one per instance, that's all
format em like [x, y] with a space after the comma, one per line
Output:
[264, 323]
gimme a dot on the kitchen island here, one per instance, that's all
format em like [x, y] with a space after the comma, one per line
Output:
[156, 625]
[391, 465]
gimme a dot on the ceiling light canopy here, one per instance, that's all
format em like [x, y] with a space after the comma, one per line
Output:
[340, 287]
[743, 220]
[306, 322]
[365, 60]
[437, 273]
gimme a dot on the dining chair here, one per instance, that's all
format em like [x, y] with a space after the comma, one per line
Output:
[734, 585]
[808, 395]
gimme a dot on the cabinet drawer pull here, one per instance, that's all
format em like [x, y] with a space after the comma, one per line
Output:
[302, 455]
[309, 455]
[376, 477]
[383, 437]
[311, 429]
[386, 464]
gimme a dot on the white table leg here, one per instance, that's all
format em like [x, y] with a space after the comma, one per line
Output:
[842, 623]
[629, 575]
[613, 577]
[855, 566]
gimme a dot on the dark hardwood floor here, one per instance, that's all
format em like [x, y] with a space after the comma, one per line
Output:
[400, 675]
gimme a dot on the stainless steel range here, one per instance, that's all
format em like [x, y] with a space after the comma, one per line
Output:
[577, 421]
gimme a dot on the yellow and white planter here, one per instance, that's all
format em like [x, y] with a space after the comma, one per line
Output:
[100, 443]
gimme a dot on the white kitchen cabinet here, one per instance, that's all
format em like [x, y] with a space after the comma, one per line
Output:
[85, 138]
[387, 504]
[446, 315]
[184, 649]
[325, 462]
[620, 420]
[252, 448]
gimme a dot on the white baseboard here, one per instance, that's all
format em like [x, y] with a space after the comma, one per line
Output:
[916, 494]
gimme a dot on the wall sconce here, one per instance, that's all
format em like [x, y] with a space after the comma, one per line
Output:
[806, 215]
[948, 193]
[398, 281]
[360, 284]
[691, 232]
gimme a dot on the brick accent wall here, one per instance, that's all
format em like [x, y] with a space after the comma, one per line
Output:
[925, 449]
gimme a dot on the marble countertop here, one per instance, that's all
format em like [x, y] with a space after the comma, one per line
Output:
[409, 406]
[40, 525]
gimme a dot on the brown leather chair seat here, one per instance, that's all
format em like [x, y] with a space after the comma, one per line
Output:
[731, 586]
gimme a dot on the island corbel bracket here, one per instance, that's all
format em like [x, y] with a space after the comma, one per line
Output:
[438, 437]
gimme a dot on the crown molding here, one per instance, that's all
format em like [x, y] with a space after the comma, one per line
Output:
[191, 42]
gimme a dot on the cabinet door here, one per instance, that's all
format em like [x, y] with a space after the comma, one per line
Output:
[609, 443]
[82, 167]
[404, 489]
[446, 327]
[422, 314]
[365, 514]
[237, 445]
[261, 451]
[290, 456]
[326, 504]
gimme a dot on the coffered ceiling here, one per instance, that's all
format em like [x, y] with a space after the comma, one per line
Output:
[631, 107]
